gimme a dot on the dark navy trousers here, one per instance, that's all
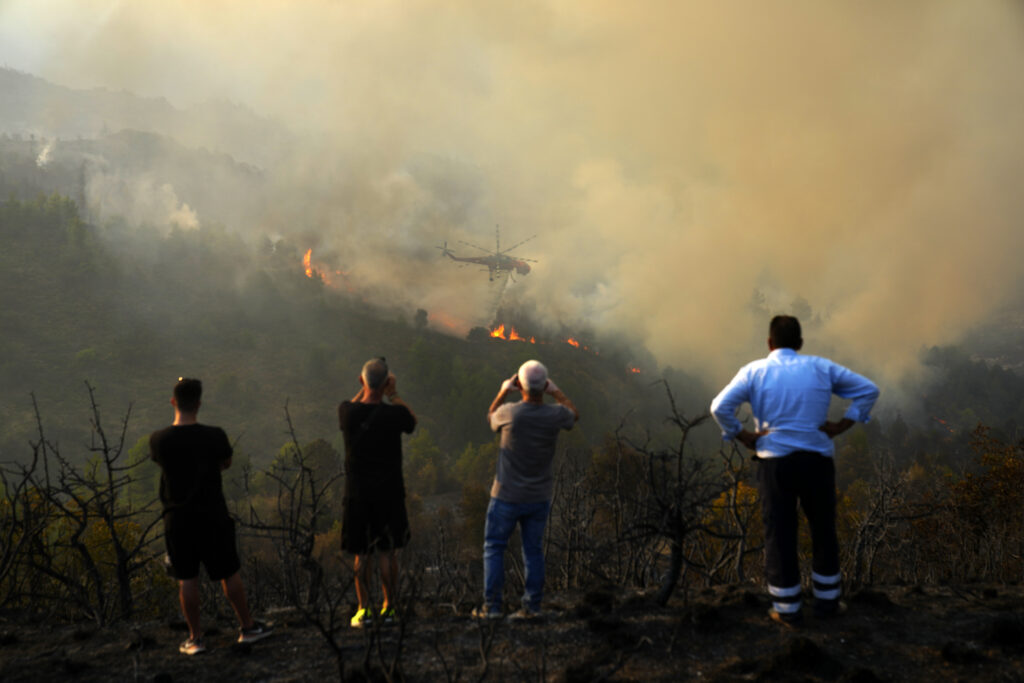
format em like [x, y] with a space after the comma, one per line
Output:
[807, 480]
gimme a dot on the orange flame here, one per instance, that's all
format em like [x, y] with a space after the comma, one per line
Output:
[513, 334]
[307, 262]
[572, 342]
[635, 371]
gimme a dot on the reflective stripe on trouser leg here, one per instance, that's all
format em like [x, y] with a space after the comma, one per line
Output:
[779, 514]
[785, 600]
[826, 587]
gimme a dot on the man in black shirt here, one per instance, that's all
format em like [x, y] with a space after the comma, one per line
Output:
[374, 516]
[197, 527]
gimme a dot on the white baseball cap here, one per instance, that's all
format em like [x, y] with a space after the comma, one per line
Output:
[533, 376]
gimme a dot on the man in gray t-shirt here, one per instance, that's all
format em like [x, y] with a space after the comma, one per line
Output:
[521, 493]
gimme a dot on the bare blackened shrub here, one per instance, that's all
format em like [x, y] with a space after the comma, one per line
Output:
[591, 538]
[875, 525]
[635, 505]
[22, 520]
[683, 487]
[288, 519]
[292, 514]
[82, 548]
[570, 545]
[446, 577]
[732, 528]
[637, 514]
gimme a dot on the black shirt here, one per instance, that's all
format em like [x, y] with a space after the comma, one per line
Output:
[373, 448]
[190, 459]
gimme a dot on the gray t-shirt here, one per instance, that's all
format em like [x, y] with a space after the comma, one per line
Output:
[529, 432]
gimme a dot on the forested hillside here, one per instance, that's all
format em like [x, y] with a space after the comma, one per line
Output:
[130, 309]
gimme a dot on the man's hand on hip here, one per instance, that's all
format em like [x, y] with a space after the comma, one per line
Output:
[749, 438]
[834, 429]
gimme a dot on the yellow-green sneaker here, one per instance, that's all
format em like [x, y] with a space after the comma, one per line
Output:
[388, 616]
[363, 617]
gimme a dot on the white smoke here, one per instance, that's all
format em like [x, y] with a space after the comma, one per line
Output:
[859, 157]
[44, 155]
[139, 200]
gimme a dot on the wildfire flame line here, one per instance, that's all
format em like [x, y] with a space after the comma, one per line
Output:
[307, 262]
[513, 335]
[510, 333]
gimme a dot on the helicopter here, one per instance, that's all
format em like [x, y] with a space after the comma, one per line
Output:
[498, 262]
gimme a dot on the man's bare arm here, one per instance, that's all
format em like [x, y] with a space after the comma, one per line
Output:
[512, 383]
[564, 400]
[559, 395]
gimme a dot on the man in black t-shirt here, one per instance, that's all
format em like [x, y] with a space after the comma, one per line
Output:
[197, 527]
[374, 517]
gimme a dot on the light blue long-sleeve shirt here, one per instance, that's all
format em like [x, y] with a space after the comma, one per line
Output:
[789, 394]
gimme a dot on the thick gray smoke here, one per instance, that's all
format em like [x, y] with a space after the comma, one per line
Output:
[689, 167]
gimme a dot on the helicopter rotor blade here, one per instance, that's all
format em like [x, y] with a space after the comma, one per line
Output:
[519, 243]
[470, 244]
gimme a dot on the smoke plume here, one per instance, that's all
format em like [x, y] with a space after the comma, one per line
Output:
[690, 168]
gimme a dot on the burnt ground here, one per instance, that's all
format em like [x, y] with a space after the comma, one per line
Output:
[971, 633]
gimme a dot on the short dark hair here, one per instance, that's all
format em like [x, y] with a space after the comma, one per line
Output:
[375, 372]
[187, 393]
[784, 332]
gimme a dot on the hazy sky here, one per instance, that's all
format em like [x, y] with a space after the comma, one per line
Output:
[673, 156]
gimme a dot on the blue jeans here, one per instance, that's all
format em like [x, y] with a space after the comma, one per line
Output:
[501, 521]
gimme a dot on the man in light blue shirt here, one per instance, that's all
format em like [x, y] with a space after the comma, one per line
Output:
[789, 395]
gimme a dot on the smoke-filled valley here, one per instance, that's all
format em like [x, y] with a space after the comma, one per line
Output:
[673, 161]
[274, 276]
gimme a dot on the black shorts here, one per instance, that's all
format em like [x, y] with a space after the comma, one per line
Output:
[374, 524]
[210, 542]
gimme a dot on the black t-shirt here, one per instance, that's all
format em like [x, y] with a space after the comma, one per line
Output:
[190, 459]
[373, 448]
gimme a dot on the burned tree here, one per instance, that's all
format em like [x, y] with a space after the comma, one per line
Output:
[299, 510]
[683, 487]
[79, 542]
[729, 539]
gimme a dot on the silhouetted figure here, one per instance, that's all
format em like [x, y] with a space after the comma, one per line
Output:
[789, 395]
[374, 517]
[197, 526]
